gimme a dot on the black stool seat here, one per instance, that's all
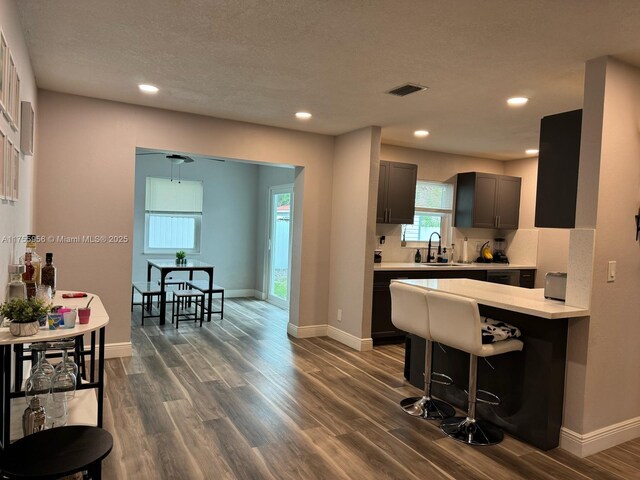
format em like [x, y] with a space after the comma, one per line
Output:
[58, 452]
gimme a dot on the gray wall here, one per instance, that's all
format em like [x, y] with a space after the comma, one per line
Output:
[230, 218]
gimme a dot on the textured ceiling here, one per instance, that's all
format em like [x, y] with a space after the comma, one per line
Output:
[260, 61]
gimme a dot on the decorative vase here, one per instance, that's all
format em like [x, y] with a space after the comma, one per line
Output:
[24, 329]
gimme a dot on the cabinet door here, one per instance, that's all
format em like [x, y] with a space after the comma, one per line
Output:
[484, 208]
[401, 195]
[383, 178]
[558, 163]
[508, 202]
[381, 324]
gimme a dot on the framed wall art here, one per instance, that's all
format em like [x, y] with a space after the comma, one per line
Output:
[3, 167]
[8, 166]
[15, 174]
[9, 79]
[4, 60]
[15, 100]
[26, 128]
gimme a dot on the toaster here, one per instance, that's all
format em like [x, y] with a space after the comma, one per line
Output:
[555, 285]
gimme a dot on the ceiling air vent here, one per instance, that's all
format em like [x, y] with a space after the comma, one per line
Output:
[406, 89]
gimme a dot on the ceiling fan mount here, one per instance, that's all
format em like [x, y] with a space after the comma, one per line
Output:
[178, 159]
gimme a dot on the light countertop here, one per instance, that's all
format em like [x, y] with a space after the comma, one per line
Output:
[530, 301]
[450, 266]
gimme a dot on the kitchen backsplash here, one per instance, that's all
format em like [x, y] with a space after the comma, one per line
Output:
[522, 244]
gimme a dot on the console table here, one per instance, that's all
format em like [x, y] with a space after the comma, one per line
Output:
[8, 392]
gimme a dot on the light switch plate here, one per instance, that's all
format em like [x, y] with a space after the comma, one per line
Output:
[611, 271]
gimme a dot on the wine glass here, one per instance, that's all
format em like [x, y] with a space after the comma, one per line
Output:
[42, 364]
[67, 363]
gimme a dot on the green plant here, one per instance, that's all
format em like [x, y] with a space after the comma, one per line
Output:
[20, 310]
[181, 255]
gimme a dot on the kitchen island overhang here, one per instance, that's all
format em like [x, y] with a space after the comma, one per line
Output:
[530, 383]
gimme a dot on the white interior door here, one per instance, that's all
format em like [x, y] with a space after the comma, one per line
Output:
[279, 245]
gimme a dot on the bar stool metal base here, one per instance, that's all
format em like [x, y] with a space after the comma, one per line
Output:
[429, 409]
[471, 432]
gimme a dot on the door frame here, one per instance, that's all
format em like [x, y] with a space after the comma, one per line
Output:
[286, 188]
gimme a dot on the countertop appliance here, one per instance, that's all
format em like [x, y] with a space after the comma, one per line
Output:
[499, 249]
[505, 277]
[555, 286]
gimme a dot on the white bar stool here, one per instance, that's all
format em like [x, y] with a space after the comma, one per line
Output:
[409, 312]
[455, 321]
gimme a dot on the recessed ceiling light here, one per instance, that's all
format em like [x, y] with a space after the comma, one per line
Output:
[303, 115]
[421, 133]
[148, 88]
[517, 101]
[531, 151]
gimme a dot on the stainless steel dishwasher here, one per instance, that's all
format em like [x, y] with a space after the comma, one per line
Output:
[505, 277]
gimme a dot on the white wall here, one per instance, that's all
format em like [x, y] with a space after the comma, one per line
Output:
[16, 218]
[603, 390]
[355, 174]
[90, 144]
[233, 211]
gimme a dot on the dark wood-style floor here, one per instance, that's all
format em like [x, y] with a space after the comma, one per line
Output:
[240, 399]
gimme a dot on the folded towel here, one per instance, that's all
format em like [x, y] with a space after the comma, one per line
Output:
[495, 331]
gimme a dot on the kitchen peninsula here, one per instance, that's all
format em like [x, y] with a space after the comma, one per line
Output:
[530, 383]
[383, 330]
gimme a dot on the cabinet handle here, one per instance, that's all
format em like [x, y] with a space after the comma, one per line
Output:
[389, 219]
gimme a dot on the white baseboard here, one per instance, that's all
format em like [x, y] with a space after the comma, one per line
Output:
[245, 292]
[360, 344]
[307, 331]
[117, 350]
[587, 444]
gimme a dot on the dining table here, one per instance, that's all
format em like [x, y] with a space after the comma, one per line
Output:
[166, 266]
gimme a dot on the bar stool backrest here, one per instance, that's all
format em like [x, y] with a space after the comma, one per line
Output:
[409, 310]
[455, 321]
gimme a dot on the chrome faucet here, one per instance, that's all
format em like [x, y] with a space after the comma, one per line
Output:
[429, 256]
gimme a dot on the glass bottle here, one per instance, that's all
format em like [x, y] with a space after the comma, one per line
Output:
[48, 276]
[418, 257]
[36, 260]
[28, 276]
[16, 287]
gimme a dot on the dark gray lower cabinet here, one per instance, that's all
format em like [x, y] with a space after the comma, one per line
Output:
[528, 278]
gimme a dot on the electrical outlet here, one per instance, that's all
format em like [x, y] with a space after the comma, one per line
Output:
[339, 314]
[611, 271]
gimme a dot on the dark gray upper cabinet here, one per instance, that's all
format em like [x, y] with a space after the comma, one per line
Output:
[558, 162]
[396, 192]
[485, 200]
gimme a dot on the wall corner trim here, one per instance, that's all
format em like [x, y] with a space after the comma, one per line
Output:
[587, 444]
[117, 350]
[307, 331]
[360, 344]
